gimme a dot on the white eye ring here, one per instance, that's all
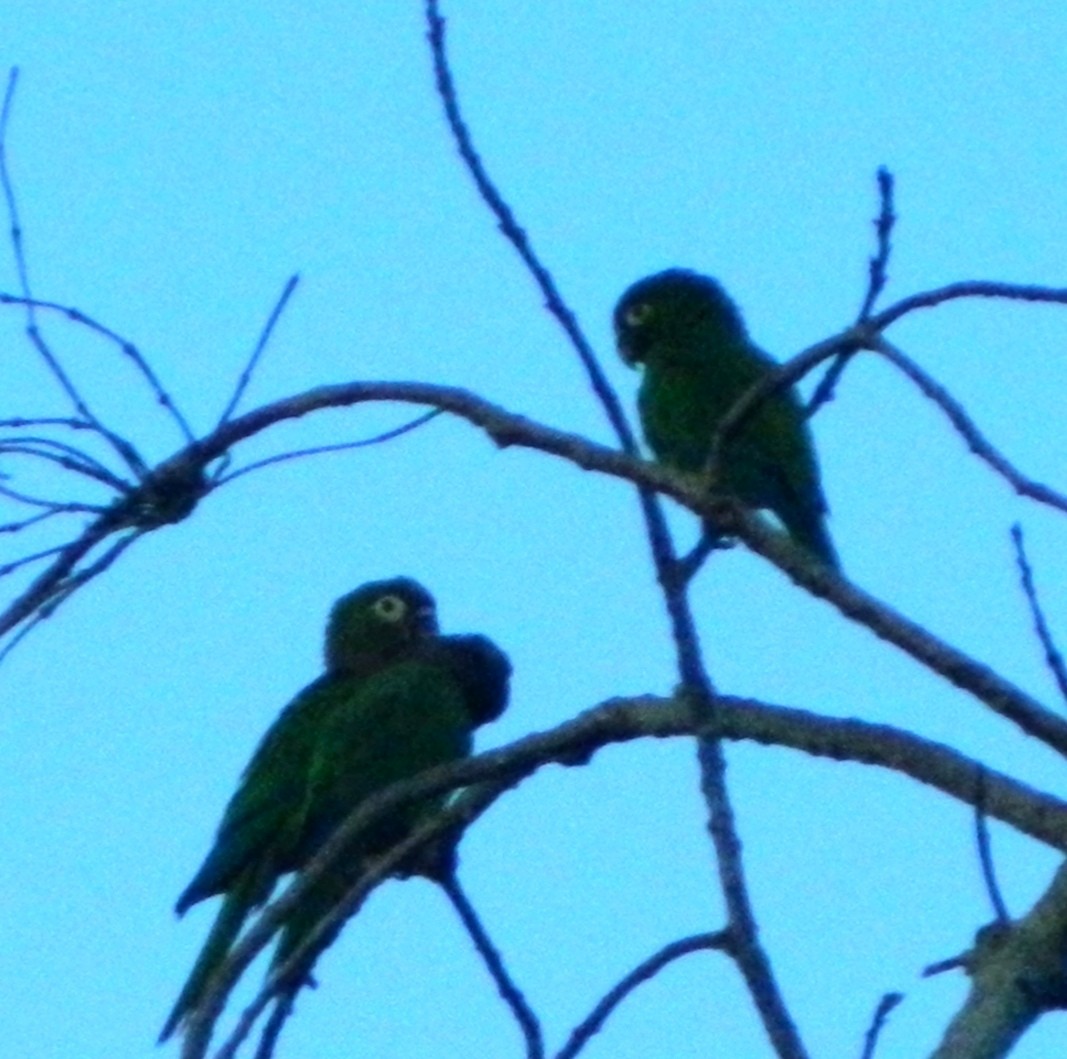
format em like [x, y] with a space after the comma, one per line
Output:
[390, 608]
[637, 314]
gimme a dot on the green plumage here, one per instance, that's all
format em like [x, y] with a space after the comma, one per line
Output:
[698, 361]
[396, 699]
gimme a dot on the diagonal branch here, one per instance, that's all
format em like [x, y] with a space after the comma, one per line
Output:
[965, 426]
[126, 347]
[1053, 657]
[261, 344]
[643, 972]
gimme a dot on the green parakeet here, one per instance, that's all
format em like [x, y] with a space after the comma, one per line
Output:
[396, 698]
[698, 360]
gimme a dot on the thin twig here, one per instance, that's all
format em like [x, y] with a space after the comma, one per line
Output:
[43, 516]
[342, 446]
[121, 446]
[878, 1021]
[974, 288]
[515, 234]
[54, 506]
[46, 421]
[966, 428]
[643, 972]
[529, 1025]
[69, 457]
[26, 560]
[985, 852]
[67, 588]
[1026, 576]
[257, 352]
[15, 229]
[883, 227]
[126, 347]
[877, 277]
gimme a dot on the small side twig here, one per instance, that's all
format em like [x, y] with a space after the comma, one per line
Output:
[125, 450]
[513, 232]
[342, 446]
[529, 1024]
[883, 227]
[261, 344]
[985, 851]
[126, 347]
[878, 1021]
[1026, 576]
[69, 457]
[643, 972]
[877, 276]
[15, 229]
[966, 428]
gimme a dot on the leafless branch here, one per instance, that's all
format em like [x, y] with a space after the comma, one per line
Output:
[1026, 577]
[529, 1024]
[488, 775]
[976, 288]
[643, 972]
[985, 852]
[751, 958]
[965, 427]
[343, 446]
[876, 280]
[878, 1021]
[261, 344]
[126, 347]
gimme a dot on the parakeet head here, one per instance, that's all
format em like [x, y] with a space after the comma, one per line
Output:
[669, 307]
[377, 620]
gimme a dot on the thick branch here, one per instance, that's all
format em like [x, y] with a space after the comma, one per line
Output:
[1017, 974]
[490, 774]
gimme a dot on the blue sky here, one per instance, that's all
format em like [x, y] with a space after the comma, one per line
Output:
[172, 173]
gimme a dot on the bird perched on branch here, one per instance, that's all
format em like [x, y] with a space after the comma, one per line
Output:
[698, 361]
[396, 698]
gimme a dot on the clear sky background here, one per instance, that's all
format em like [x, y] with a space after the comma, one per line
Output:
[173, 168]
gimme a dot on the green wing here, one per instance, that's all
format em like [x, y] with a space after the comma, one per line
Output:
[264, 820]
[260, 834]
[407, 718]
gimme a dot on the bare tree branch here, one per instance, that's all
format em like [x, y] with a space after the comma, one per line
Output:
[973, 288]
[261, 344]
[643, 972]
[488, 775]
[1017, 974]
[1044, 634]
[342, 446]
[985, 852]
[529, 1024]
[876, 280]
[126, 347]
[749, 953]
[966, 428]
[881, 1013]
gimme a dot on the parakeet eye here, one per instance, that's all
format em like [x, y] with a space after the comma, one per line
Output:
[637, 314]
[390, 608]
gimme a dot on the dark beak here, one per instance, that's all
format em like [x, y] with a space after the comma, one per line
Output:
[426, 621]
